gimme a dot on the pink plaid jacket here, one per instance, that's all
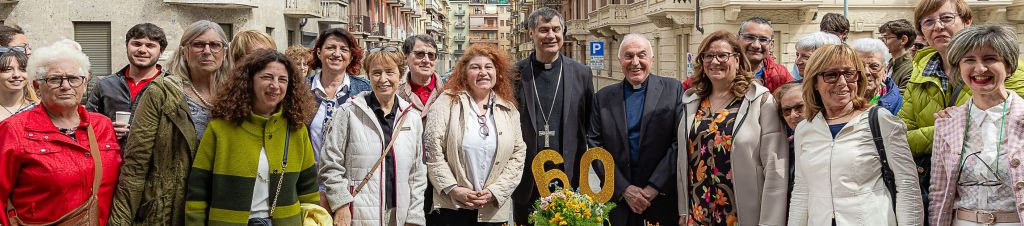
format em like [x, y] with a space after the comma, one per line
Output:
[949, 134]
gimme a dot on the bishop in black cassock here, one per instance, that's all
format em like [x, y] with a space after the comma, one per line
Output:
[635, 120]
[554, 96]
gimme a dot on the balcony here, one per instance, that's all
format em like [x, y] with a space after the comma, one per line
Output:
[609, 21]
[484, 40]
[408, 6]
[482, 13]
[378, 30]
[222, 4]
[333, 12]
[577, 27]
[670, 13]
[460, 25]
[361, 26]
[458, 52]
[459, 38]
[803, 9]
[434, 26]
[394, 2]
[483, 27]
[302, 8]
[460, 12]
[488, 2]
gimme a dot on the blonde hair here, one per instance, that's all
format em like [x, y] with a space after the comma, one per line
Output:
[178, 67]
[242, 41]
[820, 61]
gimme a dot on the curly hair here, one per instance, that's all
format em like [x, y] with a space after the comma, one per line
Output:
[744, 77]
[505, 77]
[234, 102]
[353, 46]
[820, 61]
[298, 52]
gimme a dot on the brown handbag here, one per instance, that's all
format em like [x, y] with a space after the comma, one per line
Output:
[86, 214]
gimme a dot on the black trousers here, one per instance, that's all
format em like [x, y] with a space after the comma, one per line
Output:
[461, 217]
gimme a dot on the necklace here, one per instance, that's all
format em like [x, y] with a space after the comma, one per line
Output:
[712, 108]
[547, 133]
[481, 119]
[999, 143]
[840, 116]
[9, 110]
[198, 95]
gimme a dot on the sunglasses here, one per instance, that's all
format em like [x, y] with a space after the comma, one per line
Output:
[424, 54]
[20, 49]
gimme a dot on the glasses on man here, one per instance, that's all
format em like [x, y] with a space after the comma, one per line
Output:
[74, 81]
[756, 38]
[199, 46]
[830, 77]
[988, 181]
[722, 57]
[945, 19]
[424, 54]
[389, 49]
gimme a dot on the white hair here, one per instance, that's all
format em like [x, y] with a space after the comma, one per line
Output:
[872, 46]
[816, 40]
[60, 51]
[634, 37]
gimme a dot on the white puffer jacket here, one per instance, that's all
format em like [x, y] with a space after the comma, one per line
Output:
[354, 146]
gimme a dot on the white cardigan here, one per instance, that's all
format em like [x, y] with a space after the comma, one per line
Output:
[843, 175]
[353, 148]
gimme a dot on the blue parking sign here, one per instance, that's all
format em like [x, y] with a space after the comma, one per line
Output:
[597, 48]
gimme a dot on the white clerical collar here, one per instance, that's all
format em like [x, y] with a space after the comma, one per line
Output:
[548, 66]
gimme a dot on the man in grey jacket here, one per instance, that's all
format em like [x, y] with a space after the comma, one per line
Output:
[118, 92]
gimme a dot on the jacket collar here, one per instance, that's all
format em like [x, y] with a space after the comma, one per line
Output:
[259, 125]
[359, 101]
[43, 123]
[498, 101]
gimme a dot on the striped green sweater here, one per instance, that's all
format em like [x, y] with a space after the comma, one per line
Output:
[220, 184]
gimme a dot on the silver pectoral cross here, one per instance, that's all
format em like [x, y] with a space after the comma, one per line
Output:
[547, 133]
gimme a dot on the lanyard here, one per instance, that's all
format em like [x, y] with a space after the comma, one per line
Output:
[999, 143]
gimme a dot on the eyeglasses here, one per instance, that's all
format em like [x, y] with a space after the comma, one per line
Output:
[20, 49]
[988, 181]
[885, 38]
[422, 54]
[919, 46]
[946, 19]
[722, 57]
[789, 110]
[389, 49]
[482, 120]
[873, 67]
[833, 76]
[754, 38]
[198, 46]
[74, 81]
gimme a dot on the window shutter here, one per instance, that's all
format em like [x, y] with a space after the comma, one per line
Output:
[95, 40]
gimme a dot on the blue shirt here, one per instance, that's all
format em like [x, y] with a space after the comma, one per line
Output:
[634, 109]
[760, 73]
[835, 129]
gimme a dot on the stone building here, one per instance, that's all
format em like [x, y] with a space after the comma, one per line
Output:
[676, 27]
[100, 25]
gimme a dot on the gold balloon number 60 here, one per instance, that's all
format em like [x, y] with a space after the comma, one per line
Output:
[544, 177]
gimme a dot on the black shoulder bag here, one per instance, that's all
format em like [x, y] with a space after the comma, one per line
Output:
[888, 177]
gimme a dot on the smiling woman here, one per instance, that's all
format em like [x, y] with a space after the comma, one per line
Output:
[239, 160]
[16, 94]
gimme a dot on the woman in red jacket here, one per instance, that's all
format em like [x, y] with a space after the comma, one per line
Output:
[50, 153]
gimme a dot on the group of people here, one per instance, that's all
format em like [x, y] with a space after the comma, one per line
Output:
[863, 133]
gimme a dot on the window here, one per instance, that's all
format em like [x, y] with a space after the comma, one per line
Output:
[95, 40]
[270, 32]
[291, 37]
[228, 30]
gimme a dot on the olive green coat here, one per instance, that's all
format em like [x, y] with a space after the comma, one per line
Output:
[157, 157]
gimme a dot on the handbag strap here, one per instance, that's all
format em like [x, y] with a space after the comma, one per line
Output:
[384, 153]
[284, 168]
[888, 177]
[97, 164]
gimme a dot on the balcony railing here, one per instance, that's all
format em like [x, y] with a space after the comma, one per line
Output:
[577, 27]
[230, 4]
[333, 12]
[458, 52]
[460, 38]
[361, 24]
[484, 40]
[460, 25]
[302, 8]
[483, 27]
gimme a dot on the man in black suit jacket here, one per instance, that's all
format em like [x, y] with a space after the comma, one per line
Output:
[554, 95]
[636, 120]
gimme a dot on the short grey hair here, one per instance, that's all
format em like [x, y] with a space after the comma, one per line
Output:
[410, 43]
[1002, 39]
[756, 20]
[872, 46]
[545, 14]
[60, 51]
[816, 40]
[634, 37]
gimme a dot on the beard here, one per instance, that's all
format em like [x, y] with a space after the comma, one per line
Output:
[135, 63]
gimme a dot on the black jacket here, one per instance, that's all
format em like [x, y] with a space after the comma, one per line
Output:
[110, 95]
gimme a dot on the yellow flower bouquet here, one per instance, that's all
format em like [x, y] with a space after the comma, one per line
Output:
[569, 208]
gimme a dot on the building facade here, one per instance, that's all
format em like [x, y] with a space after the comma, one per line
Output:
[676, 27]
[481, 22]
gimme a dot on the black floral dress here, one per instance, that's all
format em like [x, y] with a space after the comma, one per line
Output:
[710, 168]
